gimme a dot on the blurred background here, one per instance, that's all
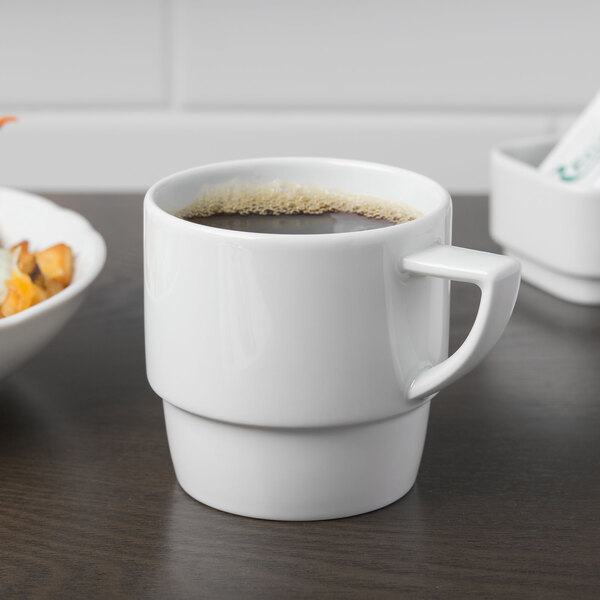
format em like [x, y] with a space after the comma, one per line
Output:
[113, 95]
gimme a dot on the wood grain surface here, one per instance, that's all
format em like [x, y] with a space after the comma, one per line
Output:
[506, 503]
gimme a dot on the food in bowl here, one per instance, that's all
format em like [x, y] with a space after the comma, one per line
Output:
[25, 216]
[27, 278]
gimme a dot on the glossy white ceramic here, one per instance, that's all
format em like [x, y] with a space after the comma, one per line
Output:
[550, 226]
[296, 370]
[26, 216]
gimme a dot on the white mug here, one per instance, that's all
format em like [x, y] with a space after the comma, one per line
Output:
[296, 370]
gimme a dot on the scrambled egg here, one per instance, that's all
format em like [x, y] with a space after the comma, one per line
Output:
[7, 262]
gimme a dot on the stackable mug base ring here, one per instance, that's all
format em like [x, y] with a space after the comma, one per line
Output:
[296, 474]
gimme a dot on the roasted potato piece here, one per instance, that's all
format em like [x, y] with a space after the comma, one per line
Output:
[56, 263]
[53, 286]
[35, 276]
[21, 294]
[27, 263]
[21, 247]
[25, 260]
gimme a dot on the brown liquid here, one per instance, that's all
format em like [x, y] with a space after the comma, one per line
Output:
[288, 208]
[329, 222]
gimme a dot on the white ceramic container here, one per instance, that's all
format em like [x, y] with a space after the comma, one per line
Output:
[26, 216]
[551, 227]
[296, 370]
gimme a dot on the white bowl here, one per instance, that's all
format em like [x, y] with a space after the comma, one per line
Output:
[29, 217]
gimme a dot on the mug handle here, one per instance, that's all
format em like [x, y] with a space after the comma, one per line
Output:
[498, 278]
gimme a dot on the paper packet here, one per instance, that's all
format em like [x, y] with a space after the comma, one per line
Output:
[576, 157]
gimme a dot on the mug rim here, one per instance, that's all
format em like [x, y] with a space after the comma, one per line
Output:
[362, 235]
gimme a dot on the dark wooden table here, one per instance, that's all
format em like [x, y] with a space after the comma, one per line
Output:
[506, 504]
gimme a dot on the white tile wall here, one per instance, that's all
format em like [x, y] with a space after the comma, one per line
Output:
[80, 52]
[564, 121]
[130, 151]
[414, 53]
[140, 88]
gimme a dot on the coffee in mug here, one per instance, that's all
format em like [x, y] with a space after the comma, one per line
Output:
[292, 208]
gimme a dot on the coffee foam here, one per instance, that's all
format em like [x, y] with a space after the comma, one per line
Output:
[284, 198]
